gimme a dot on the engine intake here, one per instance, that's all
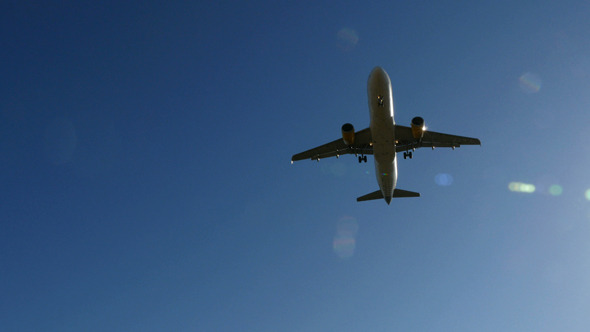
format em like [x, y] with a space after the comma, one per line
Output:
[418, 127]
[348, 134]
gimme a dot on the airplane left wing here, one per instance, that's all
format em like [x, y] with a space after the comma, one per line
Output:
[361, 145]
[430, 139]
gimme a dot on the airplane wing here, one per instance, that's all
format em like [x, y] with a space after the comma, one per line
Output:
[431, 139]
[362, 145]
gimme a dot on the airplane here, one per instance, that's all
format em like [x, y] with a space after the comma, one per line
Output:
[383, 139]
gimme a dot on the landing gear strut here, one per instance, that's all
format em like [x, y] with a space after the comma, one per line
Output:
[362, 158]
[408, 154]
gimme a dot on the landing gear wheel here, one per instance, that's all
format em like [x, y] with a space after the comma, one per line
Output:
[365, 158]
[405, 155]
[360, 159]
[410, 154]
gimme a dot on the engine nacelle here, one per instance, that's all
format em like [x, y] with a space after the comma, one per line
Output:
[418, 127]
[348, 134]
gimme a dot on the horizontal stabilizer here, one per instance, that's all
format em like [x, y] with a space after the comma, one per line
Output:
[369, 197]
[379, 195]
[404, 193]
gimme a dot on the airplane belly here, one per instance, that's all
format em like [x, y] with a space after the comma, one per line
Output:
[383, 134]
[386, 174]
[383, 131]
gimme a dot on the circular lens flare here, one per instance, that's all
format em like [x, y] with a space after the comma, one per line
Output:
[347, 38]
[521, 187]
[555, 190]
[344, 242]
[530, 83]
[443, 179]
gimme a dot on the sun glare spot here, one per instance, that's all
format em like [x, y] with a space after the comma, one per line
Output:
[588, 194]
[521, 187]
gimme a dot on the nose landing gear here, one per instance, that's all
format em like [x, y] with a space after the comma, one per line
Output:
[380, 100]
[362, 158]
[408, 154]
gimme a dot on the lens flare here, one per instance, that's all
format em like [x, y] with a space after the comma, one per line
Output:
[347, 38]
[344, 246]
[344, 242]
[443, 179]
[588, 194]
[530, 83]
[521, 187]
[555, 190]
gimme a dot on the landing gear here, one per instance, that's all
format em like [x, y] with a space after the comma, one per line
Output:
[362, 158]
[408, 154]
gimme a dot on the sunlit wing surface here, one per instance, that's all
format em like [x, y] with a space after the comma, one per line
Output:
[406, 141]
[362, 146]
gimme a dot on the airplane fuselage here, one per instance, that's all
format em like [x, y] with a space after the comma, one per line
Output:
[383, 131]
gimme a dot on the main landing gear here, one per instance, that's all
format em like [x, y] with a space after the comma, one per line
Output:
[408, 154]
[362, 158]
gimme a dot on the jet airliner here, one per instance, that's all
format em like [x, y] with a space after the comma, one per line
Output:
[383, 139]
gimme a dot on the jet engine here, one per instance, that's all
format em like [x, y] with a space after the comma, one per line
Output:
[418, 127]
[348, 134]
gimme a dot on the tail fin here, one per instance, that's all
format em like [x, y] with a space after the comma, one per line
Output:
[379, 195]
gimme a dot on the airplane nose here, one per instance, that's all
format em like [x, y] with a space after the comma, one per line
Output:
[378, 76]
[377, 72]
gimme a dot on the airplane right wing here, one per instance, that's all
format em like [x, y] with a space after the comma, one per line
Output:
[430, 139]
[362, 145]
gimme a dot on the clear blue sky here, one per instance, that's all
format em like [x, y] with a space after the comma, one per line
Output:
[146, 184]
